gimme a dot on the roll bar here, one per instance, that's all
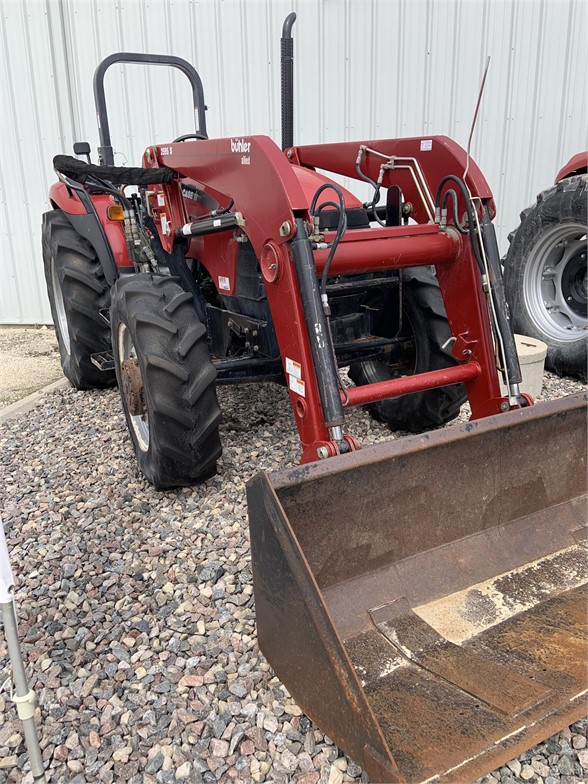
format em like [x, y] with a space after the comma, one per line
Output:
[105, 151]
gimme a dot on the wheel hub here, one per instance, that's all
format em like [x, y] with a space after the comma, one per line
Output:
[133, 388]
[574, 284]
[132, 384]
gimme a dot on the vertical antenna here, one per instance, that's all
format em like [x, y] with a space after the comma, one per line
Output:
[287, 68]
[476, 117]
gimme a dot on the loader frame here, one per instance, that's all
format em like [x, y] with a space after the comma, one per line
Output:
[274, 217]
[271, 213]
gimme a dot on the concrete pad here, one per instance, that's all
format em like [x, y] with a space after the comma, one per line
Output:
[29, 361]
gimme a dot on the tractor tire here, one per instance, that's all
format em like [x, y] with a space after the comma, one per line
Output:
[77, 293]
[427, 332]
[166, 380]
[545, 275]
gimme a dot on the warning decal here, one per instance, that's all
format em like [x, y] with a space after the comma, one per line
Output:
[293, 368]
[294, 371]
[296, 385]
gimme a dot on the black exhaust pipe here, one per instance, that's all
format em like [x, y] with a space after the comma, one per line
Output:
[287, 63]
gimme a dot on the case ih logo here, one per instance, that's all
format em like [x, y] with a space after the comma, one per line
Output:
[241, 146]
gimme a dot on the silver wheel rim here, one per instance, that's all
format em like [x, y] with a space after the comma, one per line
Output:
[140, 422]
[546, 283]
[62, 326]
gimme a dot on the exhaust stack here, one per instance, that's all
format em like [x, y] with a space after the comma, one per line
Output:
[287, 70]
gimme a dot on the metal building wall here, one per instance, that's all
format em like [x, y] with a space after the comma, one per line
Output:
[363, 69]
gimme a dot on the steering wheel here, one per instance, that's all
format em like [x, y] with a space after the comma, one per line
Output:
[187, 136]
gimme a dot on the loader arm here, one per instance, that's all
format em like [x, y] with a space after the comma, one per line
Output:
[225, 169]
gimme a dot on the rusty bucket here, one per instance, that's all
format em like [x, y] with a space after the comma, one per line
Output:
[424, 600]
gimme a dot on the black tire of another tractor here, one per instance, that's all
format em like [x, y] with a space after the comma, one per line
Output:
[563, 207]
[179, 380]
[424, 315]
[71, 264]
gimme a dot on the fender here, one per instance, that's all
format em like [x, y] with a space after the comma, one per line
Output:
[87, 215]
[578, 164]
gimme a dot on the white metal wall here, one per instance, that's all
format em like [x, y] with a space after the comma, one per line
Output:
[383, 68]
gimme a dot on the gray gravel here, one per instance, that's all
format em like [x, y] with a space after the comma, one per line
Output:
[136, 610]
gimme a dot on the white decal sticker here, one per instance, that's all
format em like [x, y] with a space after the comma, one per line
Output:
[160, 200]
[224, 283]
[296, 385]
[293, 368]
[166, 150]
[241, 146]
[164, 224]
[426, 145]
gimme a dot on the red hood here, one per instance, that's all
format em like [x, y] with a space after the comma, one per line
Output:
[577, 162]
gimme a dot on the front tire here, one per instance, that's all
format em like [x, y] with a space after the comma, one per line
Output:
[427, 334]
[545, 275]
[77, 293]
[166, 380]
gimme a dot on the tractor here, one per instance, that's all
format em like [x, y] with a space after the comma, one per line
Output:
[436, 580]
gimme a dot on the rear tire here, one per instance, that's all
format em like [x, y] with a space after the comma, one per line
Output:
[77, 293]
[427, 331]
[166, 380]
[545, 275]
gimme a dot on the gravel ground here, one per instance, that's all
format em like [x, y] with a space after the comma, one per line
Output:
[136, 610]
[29, 360]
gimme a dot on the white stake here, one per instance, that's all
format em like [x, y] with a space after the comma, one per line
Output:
[24, 698]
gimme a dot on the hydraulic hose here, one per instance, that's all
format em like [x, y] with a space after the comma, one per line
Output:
[341, 229]
[451, 193]
[471, 222]
[376, 199]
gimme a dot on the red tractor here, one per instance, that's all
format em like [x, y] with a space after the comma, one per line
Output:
[234, 261]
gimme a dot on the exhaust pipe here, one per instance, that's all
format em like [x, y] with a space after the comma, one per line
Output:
[287, 70]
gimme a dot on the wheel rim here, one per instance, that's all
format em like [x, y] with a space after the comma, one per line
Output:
[132, 387]
[62, 326]
[554, 283]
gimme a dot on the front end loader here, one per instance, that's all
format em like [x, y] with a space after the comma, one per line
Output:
[433, 580]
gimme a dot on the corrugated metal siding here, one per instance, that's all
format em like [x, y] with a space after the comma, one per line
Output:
[362, 69]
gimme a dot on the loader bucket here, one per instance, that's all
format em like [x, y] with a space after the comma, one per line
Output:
[424, 600]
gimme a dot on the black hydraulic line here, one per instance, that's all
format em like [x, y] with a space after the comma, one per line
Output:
[341, 227]
[224, 209]
[287, 73]
[105, 151]
[376, 199]
[326, 204]
[451, 193]
[471, 221]
[500, 304]
[319, 333]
